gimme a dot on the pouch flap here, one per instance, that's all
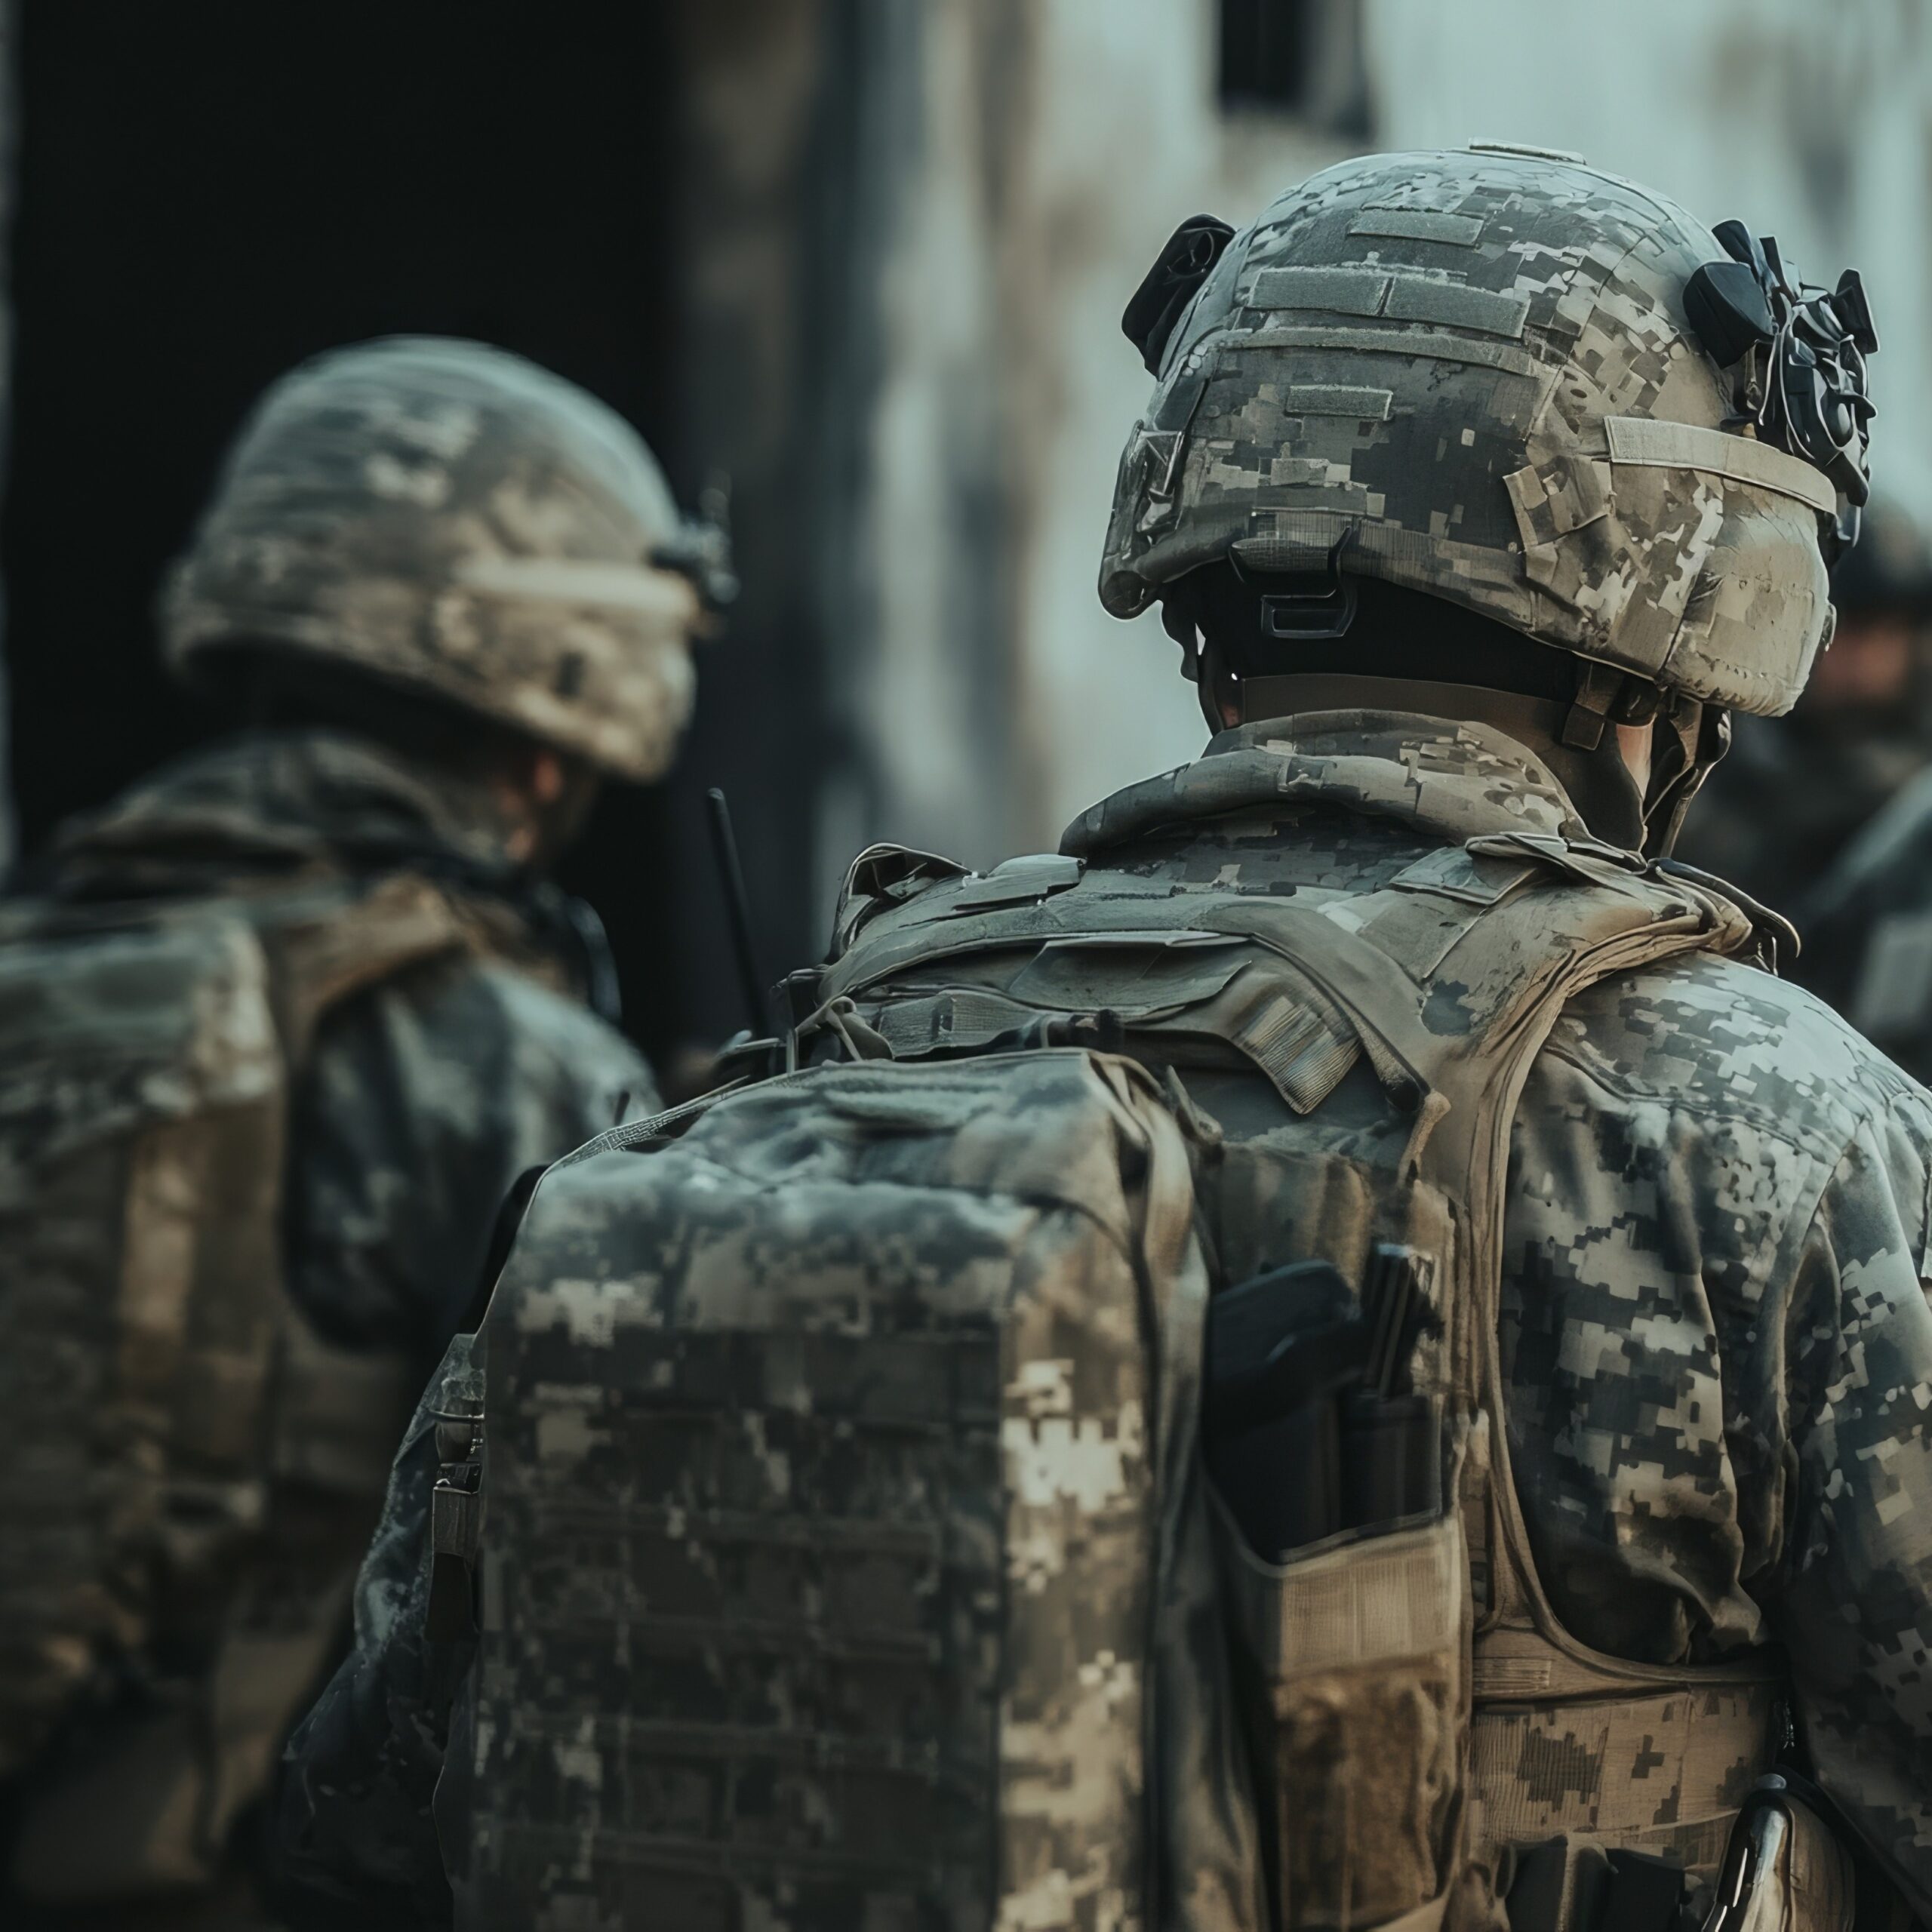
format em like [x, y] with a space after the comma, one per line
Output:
[1363, 1601]
[1081, 975]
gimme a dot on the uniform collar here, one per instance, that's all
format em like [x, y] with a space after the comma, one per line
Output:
[287, 801]
[1447, 779]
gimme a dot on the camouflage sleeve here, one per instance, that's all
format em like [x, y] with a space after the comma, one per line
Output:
[1853, 1601]
[422, 1103]
[354, 1826]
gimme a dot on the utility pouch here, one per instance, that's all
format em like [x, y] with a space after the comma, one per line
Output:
[1356, 1654]
[1307, 1427]
[1574, 1883]
[1349, 1584]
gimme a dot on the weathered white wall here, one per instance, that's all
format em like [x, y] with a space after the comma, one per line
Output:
[1813, 123]
[1040, 151]
[1124, 140]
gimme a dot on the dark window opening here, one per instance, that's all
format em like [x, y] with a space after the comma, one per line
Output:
[1298, 57]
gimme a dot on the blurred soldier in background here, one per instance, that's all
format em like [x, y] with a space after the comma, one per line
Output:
[1791, 792]
[1567, 1261]
[1868, 929]
[279, 1028]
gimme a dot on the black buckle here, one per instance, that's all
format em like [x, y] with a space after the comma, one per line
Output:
[1310, 604]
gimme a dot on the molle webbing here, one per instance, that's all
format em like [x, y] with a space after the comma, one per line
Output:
[829, 1484]
[1563, 1740]
[1660, 1773]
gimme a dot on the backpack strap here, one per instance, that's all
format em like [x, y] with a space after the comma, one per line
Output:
[324, 946]
[334, 1415]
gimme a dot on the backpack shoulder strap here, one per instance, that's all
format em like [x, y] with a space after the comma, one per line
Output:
[1464, 1023]
[328, 943]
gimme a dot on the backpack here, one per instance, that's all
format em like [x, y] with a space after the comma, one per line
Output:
[831, 1570]
[192, 1470]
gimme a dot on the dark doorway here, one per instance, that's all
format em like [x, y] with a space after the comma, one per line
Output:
[209, 193]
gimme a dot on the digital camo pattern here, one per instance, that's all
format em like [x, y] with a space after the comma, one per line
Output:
[454, 518]
[1475, 368]
[820, 1538]
[1715, 1334]
[1441, 980]
[425, 1098]
[238, 894]
[1716, 1351]
[1719, 1355]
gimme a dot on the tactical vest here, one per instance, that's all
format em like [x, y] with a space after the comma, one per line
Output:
[1430, 1724]
[769, 1634]
[193, 1471]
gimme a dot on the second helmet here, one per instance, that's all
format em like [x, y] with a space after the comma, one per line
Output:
[454, 520]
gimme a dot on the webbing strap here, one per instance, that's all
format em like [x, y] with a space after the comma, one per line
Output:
[1544, 1768]
[1660, 1773]
[1638, 442]
[322, 951]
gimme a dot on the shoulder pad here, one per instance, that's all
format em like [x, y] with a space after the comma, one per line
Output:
[1024, 881]
[883, 875]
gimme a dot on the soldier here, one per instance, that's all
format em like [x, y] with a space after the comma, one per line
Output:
[1564, 1389]
[1792, 792]
[279, 1028]
[1867, 926]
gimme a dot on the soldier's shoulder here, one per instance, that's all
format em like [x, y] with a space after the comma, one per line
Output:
[471, 1021]
[538, 1023]
[1719, 1038]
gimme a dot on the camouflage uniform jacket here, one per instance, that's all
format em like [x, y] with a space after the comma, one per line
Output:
[1716, 1348]
[425, 1097]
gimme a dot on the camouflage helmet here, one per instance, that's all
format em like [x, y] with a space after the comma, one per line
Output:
[1502, 378]
[454, 520]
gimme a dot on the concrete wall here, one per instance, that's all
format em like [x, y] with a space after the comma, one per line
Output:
[1023, 161]
[1811, 123]
[1051, 146]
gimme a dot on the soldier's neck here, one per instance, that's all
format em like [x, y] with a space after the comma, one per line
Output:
[1602, 781]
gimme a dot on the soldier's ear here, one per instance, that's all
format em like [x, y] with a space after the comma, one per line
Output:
[1167, 287]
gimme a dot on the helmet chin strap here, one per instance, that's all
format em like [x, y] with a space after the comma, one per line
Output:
[1687, 740]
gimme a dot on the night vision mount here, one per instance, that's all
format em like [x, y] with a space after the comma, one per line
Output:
[701, 549]
[1169, 285]
[1799, 354]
